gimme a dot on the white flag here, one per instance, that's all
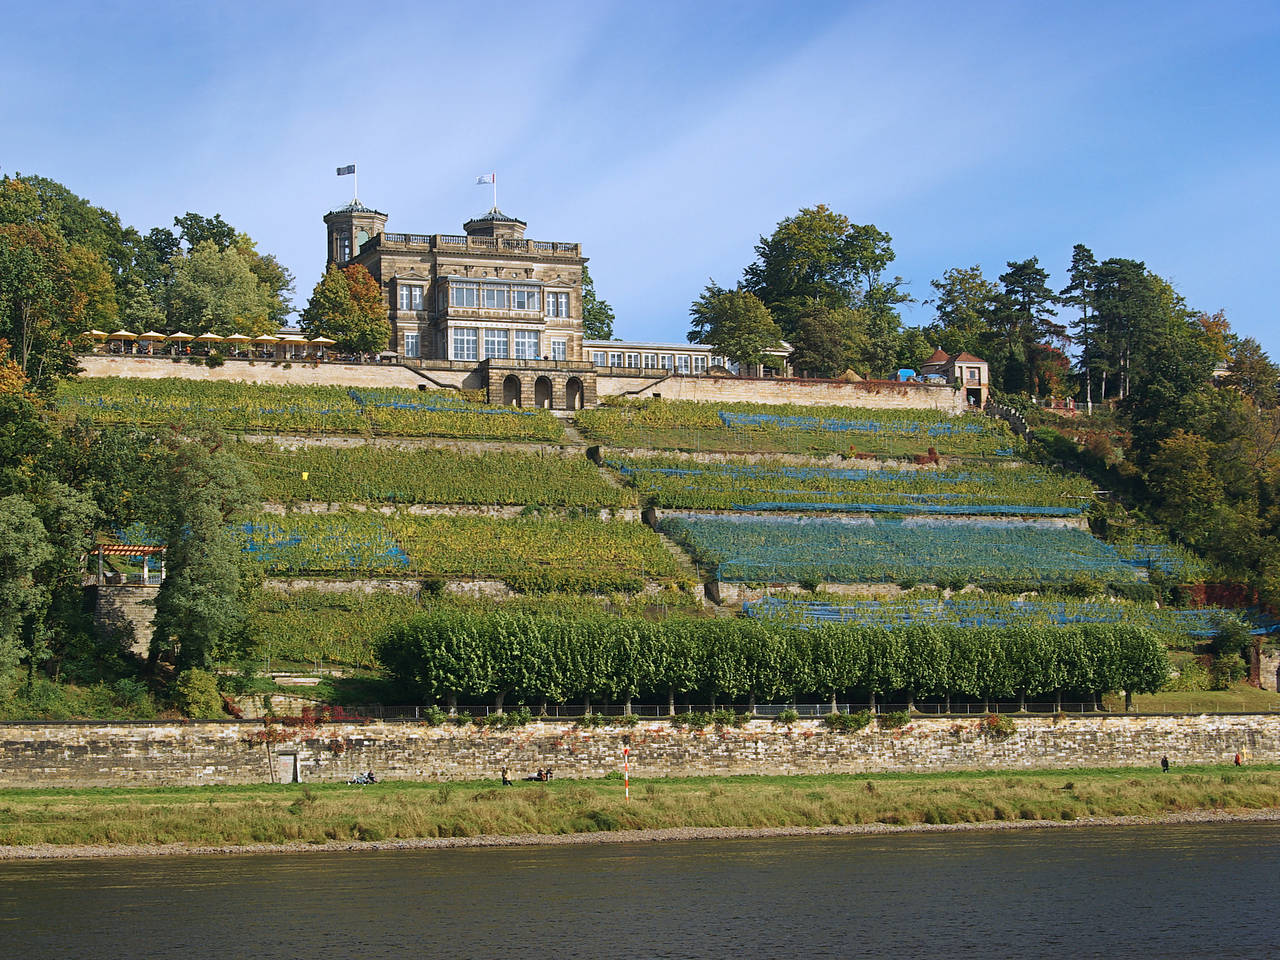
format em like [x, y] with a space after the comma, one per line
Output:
[488, 178]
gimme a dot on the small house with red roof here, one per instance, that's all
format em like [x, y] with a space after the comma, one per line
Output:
[964, 371]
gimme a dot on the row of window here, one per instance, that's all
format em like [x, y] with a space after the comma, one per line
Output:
[487, 296]
[495, 296]
[679, 362]
[501, 344]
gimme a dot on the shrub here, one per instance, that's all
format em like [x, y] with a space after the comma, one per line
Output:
[893, 720]
[511, 718]
[727, 718]
[1192, 675]
[847, 721]
[434, 716]
[196, 694]
[997, 726]
[787, 717]
[1227, 670]
[694, 721]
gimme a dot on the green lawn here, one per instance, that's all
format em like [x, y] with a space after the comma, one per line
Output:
[402, 810]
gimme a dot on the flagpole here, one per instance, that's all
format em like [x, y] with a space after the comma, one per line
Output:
[355, 181]
[495, 190]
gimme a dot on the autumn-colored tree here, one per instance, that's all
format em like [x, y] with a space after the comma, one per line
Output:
[41, 310]
[1252, 373]
[91, 277]
[347, 306]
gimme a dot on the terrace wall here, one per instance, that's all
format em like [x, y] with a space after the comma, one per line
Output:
[259, 371]
[84, 755]
[876, 394]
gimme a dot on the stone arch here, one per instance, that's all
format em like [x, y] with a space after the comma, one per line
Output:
[542, 393]
[573, 394]
[511, 391]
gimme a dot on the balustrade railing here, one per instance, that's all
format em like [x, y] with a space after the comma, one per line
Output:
[445, 240]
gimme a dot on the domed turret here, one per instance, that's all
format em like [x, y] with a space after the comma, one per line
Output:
[495, 223]
[349, 227]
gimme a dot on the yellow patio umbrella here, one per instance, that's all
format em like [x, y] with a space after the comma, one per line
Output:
[96, 334]
[323, 341]
[122, 335]
[209, 337]
[235, 339]
[265, 338]
[151, 338]
[180, 336]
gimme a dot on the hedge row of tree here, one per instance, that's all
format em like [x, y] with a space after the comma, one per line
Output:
[444, 655]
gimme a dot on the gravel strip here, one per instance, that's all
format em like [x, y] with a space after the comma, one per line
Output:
[55, 852]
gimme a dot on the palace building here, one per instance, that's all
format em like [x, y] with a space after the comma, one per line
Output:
[487, 293]
[490, 309]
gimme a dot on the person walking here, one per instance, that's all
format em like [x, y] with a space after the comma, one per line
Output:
[1164, 764]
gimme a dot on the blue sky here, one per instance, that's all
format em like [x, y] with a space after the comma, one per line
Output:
[667, 137]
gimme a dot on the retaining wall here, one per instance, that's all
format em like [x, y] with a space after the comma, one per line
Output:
[877, 394]
[443, 374]
[258, 371]
[83, 755]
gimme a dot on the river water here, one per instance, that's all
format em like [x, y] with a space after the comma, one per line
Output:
[1175, 891]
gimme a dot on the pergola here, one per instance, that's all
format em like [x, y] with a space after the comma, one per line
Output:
[132, 551]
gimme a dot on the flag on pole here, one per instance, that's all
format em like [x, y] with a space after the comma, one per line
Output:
[350, 168]
[487, 178]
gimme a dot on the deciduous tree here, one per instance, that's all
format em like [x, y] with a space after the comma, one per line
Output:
[41, 310]
[597, 315]
[215, 289]
[200, 609]
[346, 306]
[735, 323]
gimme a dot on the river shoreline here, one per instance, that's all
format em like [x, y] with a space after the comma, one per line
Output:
[663, 835]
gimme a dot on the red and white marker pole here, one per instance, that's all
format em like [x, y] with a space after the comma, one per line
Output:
[626, 772]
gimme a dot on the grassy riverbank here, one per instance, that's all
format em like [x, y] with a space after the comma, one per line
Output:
[324, 813]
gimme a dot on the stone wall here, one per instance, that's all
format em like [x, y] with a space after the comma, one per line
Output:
[1269, 671]
[127, 611]
[258, 371]
[83, 755]
[505, 512]
[878, 394]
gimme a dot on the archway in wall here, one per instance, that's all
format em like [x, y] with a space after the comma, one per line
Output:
[542, 393]
[511, 391]
[573, 394]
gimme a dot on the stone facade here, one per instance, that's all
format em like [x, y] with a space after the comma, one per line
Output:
[86, 755]
[551, 384]
[487, 293]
